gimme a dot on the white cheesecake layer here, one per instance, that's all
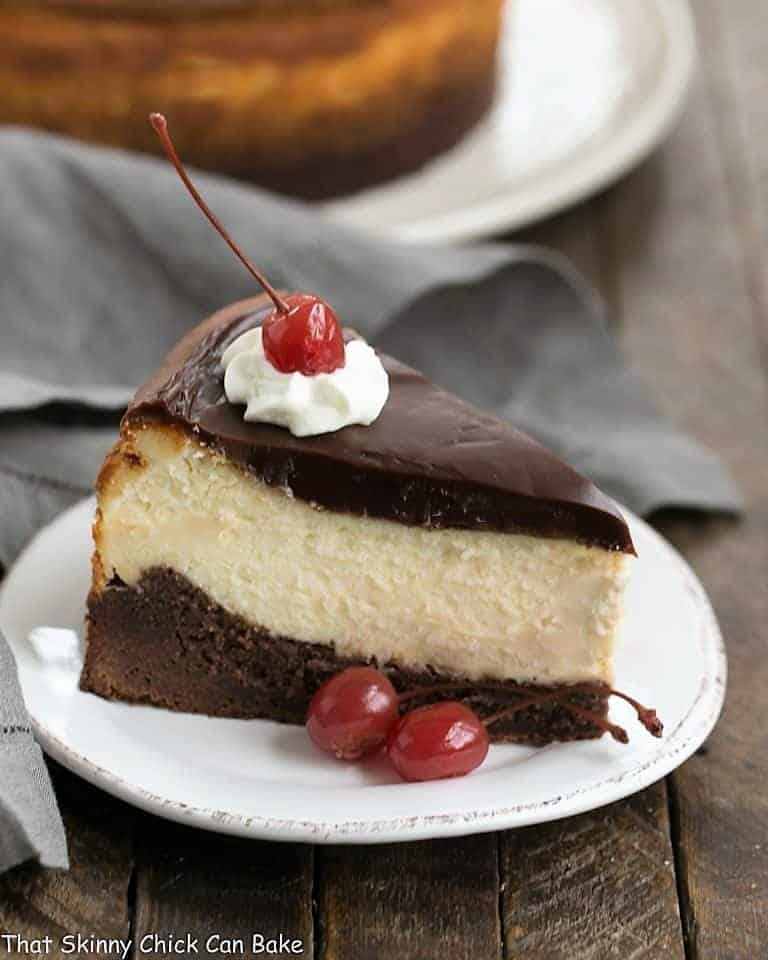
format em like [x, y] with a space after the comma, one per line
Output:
[471, 602]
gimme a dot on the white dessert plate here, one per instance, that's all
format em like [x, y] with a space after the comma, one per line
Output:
[586, 89]
[261, 779]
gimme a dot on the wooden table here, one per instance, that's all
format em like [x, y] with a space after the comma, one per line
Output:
[681, 870]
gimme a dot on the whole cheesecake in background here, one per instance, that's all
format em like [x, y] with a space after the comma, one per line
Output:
[312, 98]
[237, 565]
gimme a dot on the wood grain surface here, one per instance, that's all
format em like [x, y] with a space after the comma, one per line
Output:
[93, 897]
[598, 885]
[679, 250]
[204, 885]
[410, 901]
[688, 264]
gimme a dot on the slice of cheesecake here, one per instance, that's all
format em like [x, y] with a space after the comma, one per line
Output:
[237, 566]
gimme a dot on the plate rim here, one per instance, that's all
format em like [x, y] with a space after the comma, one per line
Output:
[705, 707]
[643, 129]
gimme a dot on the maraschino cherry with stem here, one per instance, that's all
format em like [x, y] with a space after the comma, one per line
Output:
[356, 712]
[302, 334]
[438, 741]
[352, 713]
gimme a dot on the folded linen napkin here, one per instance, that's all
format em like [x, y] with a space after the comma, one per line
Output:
[30, 825]
[106, 262]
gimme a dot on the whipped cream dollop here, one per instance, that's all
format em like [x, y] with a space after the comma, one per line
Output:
[306, 405]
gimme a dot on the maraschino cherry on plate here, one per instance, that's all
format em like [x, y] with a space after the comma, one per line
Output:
[353, 713]
[356, 712]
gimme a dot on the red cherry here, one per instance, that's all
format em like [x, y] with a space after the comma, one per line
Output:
[441, 740]
[303, 333]
[352, 713]
[306, 338]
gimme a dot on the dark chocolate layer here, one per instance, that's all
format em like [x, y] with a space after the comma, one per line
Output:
[166, 643]
[430, 459]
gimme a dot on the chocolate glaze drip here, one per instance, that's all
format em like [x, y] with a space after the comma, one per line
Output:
[430, 459]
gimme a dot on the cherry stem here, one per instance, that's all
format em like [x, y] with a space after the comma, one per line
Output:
[533, 697]
[646, 715]
[617, 732]
[532, 701]
[160, 125]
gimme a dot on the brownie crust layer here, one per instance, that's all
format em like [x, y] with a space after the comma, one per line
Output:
[165, 643]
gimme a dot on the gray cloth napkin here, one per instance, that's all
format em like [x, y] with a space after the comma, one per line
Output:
[105, 262]
[30, 825]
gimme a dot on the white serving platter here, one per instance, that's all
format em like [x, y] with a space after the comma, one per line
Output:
[586, 89]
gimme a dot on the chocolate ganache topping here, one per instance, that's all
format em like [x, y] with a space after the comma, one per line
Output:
[430, 459]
